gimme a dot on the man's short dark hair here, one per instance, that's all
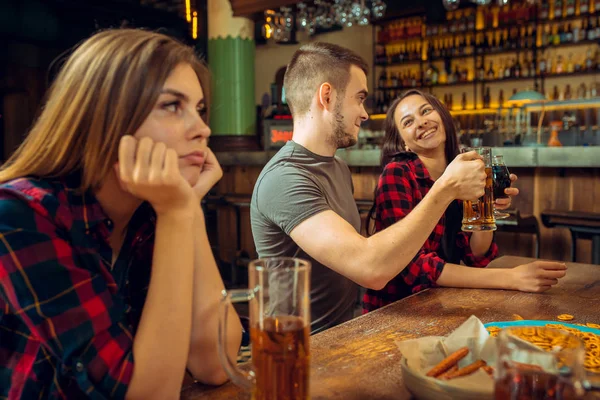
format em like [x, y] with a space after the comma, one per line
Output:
[314, 64]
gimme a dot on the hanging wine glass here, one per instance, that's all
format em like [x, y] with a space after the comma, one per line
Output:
[452, 5]
[302, 17]
[378, 8]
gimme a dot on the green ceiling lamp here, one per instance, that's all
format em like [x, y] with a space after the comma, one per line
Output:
[526, 97]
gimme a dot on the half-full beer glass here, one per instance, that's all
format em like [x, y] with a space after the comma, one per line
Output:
[479, 215]
[539, 363]
[279, 297]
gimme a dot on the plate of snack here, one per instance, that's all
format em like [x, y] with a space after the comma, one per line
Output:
[588, 333]
[456, 366]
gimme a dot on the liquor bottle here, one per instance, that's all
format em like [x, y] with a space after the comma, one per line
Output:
[443, 79]
[481, 71]
[570, 8]
[517, 68]
[555, 95]
[532, 67]
[583, 30]
[525, 69]
[581, 91]
[555, 36]
[584, 7]
[544, 10]
[558, 5]
[486, 98]
[464, 101]
[490, 72]
[382, 80]
[568, 94]
[570, 66]
[501, 98]
[591, 33]
[568, 34]
[507, 72]
[394, 79]
[589, 64]
[560, 68]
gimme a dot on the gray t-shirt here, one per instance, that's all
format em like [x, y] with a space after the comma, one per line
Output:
[295, 185]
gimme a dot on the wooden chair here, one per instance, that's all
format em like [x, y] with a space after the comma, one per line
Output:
[582, 225]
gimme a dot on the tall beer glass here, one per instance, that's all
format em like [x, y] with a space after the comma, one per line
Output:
[479, 215]
[279, 296]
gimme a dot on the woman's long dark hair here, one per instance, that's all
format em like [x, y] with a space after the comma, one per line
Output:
[393, 145]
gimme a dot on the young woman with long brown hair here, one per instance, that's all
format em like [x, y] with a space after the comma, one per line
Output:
[108, 286]
[419, 143]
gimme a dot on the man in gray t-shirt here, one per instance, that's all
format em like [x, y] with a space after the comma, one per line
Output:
[302, 203]
[295, 185]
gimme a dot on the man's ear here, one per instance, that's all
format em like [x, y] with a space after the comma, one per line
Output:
[325, 96]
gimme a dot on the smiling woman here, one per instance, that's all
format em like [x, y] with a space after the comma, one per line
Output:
[420, 145]
[107, 280]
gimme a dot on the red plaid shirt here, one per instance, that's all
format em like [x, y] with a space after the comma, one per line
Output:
[67, 317]
[402, 185]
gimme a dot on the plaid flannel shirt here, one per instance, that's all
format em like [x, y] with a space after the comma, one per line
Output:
[402, 185]
[67, 315]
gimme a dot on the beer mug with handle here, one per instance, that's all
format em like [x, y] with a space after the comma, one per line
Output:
[479, 215]
[279, 297]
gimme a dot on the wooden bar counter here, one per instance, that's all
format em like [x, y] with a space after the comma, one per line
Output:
[359, 360]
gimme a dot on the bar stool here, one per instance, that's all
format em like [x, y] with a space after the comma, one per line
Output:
[517, 224]
[582, 225]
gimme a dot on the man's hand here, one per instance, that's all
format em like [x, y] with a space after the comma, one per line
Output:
[465, 177]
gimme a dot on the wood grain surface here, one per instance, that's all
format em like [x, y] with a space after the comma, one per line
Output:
[359, 359]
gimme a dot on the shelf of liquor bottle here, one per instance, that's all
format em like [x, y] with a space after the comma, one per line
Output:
[452, 57]
[569, 74]
[499, 52]
[397, 64]
[568, 44]
[427, 86]
[400, 41]
[565, 19]
[511, 79]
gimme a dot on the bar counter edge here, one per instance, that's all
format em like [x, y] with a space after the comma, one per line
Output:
[561, 157]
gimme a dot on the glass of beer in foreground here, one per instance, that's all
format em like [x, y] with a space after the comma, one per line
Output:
[539, 363]
[479, 215]
[279, 297]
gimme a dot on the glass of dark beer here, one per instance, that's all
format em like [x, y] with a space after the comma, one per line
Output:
[279, 297]
[539, 363]
[479, 215]
[501, 183]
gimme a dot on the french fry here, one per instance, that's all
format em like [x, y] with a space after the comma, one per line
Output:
[448, 362]
[452, 369]
[489, 370]
[468, 370]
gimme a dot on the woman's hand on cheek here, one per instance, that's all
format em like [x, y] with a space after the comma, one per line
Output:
[211, 173]
[150, 171]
